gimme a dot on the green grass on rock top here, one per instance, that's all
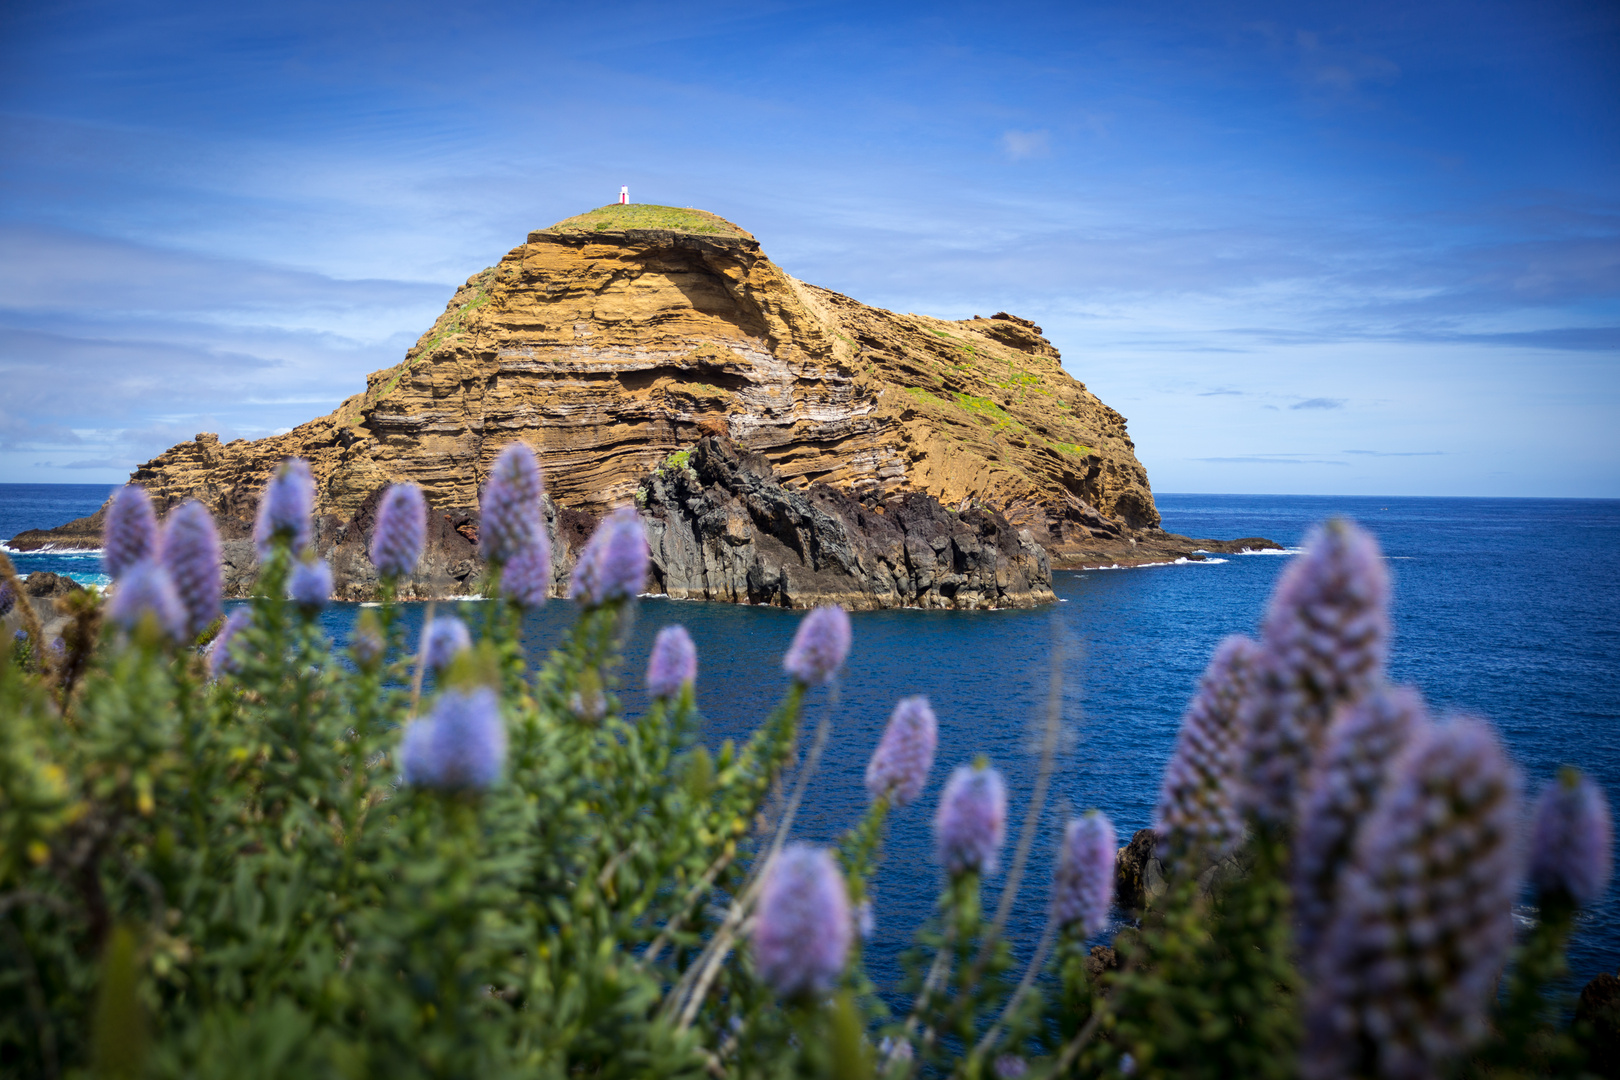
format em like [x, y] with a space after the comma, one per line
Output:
[616, 218]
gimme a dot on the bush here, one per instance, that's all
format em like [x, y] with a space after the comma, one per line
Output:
[272, 857]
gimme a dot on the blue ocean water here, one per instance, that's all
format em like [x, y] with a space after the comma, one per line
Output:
[1507, 608]
[43, 506]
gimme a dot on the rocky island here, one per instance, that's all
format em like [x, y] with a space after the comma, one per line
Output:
[784, 443]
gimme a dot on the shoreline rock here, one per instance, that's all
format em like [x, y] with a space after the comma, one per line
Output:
[723, 526]
[42, 589]
[1152, 547]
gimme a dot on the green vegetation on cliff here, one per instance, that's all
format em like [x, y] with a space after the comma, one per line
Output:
[617, 218]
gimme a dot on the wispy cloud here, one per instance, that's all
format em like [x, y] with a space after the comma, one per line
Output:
[1398, 453]
[1341, 70]
[1019, 145]
[45, 271]
[1270, 459]
[22, 433]
[1563, 338]
[123, 349]
[1319, 403]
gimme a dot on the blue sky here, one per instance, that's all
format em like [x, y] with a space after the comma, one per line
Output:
[1369, 248]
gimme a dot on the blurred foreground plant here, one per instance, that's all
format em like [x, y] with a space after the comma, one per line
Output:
[258, 856]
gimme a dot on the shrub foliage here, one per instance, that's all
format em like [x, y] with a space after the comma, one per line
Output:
[282, 858]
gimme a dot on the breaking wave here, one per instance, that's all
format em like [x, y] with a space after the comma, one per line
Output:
[52, 549]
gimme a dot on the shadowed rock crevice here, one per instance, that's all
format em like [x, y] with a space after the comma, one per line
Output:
[722, 527]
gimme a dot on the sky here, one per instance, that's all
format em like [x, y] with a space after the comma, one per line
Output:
[1359, 248]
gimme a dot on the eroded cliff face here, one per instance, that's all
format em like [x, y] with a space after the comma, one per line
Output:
[608, 348]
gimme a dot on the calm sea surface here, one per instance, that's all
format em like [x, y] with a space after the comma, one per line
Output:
[1508, 608]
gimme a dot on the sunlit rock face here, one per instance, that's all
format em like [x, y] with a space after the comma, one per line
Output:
[613, 340]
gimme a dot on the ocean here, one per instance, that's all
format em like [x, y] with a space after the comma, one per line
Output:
[1504, 608]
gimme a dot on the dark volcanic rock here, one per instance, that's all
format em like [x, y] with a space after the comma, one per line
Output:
[723, 528]
[42, 590]
[449, 563]
[44, 584]
[1597, 1024]
[1149, 546]
[1131, 870]
[79, 534]
[1099, 962]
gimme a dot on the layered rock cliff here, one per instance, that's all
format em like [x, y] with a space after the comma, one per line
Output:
[613, 341]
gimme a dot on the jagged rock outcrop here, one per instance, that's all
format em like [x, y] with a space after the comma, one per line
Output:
[614, 340]
[722, 527]
[1597, 1024]
[42, 589]
[1135, 865]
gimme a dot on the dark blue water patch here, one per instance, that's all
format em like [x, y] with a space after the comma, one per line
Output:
[45, 506]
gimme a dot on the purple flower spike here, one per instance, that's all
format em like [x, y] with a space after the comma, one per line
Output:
[1010, 1067]
[526, 578]
[396, 545]
[1326, 636]
[191, 556]
[285, 507]
[819, 646]
[1083, 883]
[461, 745]
[8, 598]
[366, 642]
[1574, 839]
[1341, 791]
[446, 638]
[673, 662]
[145, 589]
[1424, 920]
[131, 533]
[510, 518]
[613, 565]
[220, 658]
[972, 820]
[900, 764]
[311, 585]
[1198, 814]
[803, 928]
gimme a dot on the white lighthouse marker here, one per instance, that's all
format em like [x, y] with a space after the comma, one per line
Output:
[624, 196]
